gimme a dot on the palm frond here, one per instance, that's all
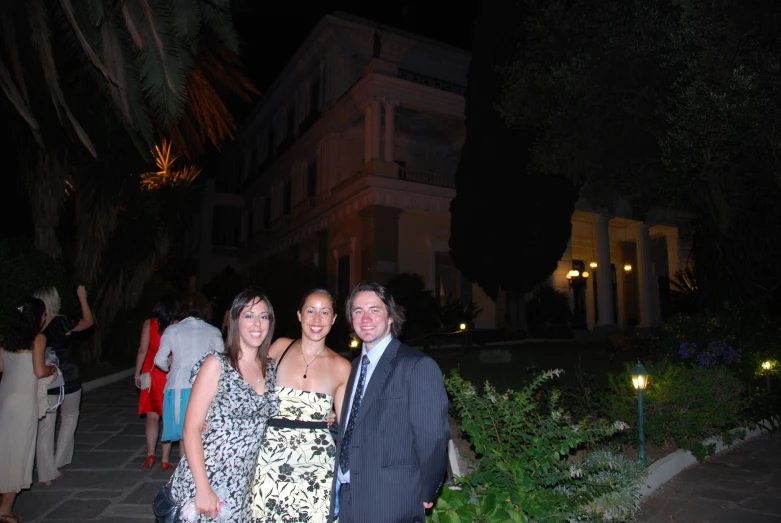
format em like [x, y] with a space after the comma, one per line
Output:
[114, 57]
[15, 97]
[41, 36]
[9, 35]
[133, 25]
[68, 9]
[217, 16]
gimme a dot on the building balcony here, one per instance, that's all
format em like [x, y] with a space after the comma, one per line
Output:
[427, 177]
[304, 206]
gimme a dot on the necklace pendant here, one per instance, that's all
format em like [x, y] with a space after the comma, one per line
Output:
[304, 375]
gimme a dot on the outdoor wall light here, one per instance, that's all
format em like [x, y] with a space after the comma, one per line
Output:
[574, 273]
[627, 267]
[593, 264]
[585, 274]
[640, 382]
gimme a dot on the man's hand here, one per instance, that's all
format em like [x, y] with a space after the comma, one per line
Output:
[427, 505]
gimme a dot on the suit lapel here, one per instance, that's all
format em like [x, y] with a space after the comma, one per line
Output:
[379, 376]
[348, 397]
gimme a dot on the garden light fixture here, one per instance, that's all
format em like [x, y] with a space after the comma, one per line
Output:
[640, 382]
[462, 327]
[766, 366]
[627, 267]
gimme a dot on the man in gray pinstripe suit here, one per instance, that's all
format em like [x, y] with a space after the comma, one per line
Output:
[392, 452]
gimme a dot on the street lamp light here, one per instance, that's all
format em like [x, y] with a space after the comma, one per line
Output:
[640, 381]
[766, 366]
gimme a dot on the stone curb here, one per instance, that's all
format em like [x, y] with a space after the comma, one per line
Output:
[663, 470]
[107, 380]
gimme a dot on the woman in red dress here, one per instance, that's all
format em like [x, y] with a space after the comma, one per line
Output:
[151, 380]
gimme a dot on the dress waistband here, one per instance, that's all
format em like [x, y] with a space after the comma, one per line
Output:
[285, 423]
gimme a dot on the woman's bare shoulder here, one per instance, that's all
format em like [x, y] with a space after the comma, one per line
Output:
[342, 364]
[278, 347]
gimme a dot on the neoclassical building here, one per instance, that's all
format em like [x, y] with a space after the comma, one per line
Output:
[348, 163]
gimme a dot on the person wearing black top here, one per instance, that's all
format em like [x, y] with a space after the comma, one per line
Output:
[58, 330]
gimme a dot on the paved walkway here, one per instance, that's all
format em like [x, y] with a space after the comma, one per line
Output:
[742, 485]
[105, 481]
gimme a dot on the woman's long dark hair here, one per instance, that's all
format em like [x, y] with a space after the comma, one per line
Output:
[25, 324]
[166, 311]
[248, 297]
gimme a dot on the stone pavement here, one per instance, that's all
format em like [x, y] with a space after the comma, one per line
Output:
[742, 485]
[105, 481]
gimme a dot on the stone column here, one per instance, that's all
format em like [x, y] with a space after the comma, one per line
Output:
[390, 131]
[673, 256]
[375, 130]
[644, 276]
[604, 272]
[367, 134]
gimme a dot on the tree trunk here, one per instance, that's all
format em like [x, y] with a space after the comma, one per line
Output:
[515, 313]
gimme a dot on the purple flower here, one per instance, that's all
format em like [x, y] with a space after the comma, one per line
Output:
[706, 360]
[687, 350]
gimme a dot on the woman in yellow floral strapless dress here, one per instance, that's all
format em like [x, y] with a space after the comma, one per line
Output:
[295, 467]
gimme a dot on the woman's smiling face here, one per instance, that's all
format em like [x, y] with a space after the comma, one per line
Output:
[316, 316]
[253, 324]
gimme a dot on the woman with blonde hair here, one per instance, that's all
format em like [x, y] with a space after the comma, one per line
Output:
[58, 330]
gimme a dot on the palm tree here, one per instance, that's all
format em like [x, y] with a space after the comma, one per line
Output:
[142, 56]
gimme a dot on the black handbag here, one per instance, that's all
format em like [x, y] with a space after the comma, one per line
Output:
[165, 508]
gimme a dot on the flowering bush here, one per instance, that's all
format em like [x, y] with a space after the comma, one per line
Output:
[525, 470]
[715, 353]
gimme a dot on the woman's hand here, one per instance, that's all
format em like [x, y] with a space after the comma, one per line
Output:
[331, 419]
[207, 502]
[137, 380]
[54, 373]
[81, 292]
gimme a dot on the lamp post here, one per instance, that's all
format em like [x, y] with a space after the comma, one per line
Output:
[640, 381]
[766, 367]
[462, 328]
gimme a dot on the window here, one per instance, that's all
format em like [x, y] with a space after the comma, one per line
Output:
[314, 97]
[311, 180]
[291, 121]
[287, 198]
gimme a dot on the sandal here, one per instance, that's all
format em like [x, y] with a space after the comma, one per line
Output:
[149, 462]
[8, 518]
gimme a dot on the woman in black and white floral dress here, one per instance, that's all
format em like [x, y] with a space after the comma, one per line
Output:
[296, 461]
[232, 398]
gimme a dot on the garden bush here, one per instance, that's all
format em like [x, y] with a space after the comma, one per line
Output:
[524, 442]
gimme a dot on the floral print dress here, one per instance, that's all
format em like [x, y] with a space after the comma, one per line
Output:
[295, 465]
[236, 421]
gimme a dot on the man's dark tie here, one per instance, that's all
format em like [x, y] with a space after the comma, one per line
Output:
[344, 454]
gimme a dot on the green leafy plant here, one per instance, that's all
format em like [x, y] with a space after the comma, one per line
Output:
[684, 403]
[524, 442]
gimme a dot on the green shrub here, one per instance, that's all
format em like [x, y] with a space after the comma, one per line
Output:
[683, 403]
[525, 471]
